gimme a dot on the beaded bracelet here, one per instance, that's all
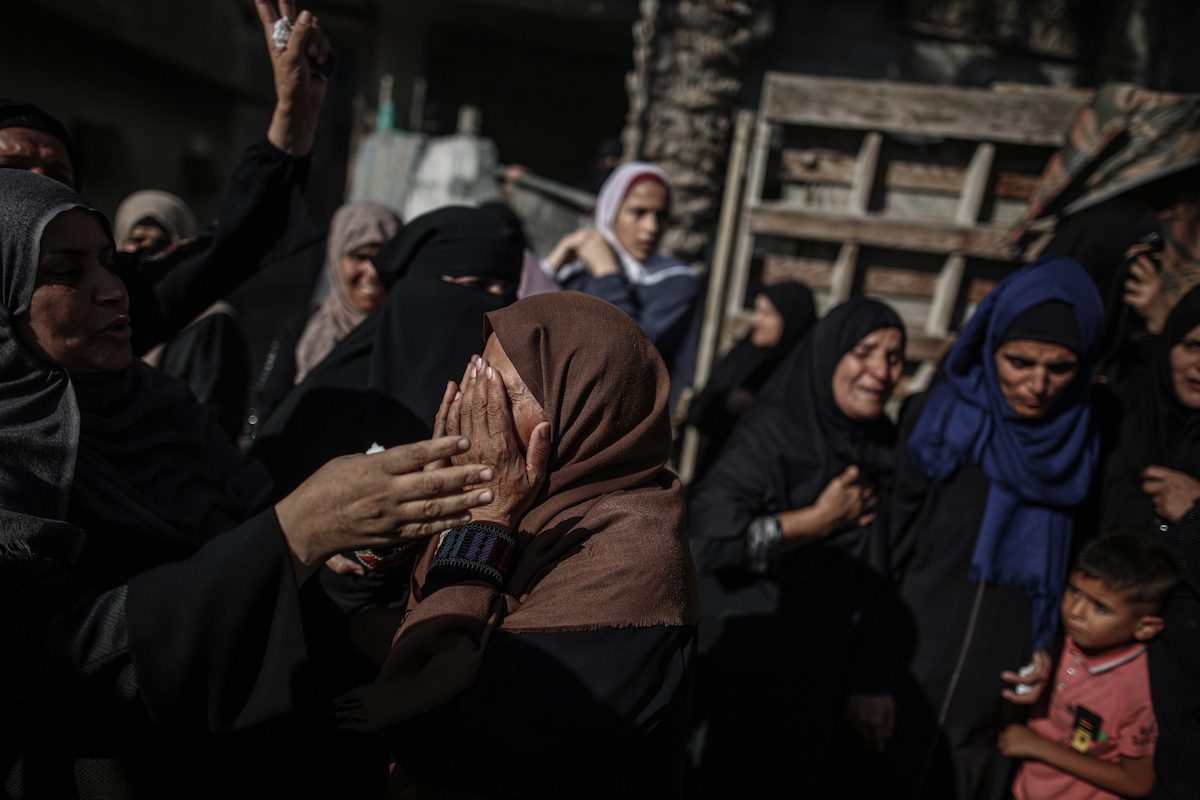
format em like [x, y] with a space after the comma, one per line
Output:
[473, 551]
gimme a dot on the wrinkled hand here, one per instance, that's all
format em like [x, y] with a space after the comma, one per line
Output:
[1172, 492]
[445, 408]
[379, 500]
[589, 246]
[299, 91]
[873, 718]
[1018, 741]
[1144, 289]
[1036, 677]
[844, 503]
[481, 412]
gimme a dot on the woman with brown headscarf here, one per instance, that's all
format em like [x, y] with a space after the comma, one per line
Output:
[548, 644]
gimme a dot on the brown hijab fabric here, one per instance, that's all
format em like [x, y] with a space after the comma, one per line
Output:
[604, 544]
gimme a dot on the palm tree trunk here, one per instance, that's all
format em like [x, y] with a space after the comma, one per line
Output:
[683, 93]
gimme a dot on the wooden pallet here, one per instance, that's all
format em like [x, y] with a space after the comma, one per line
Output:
[905, 192]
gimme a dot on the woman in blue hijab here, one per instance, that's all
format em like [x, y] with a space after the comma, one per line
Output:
[992, 464]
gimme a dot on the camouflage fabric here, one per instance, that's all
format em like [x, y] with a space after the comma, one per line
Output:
[1128, 137]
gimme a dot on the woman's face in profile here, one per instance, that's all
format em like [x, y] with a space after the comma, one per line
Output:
[642, 218]
[79, 315]
[1032, 375]
[767, 324]
[1185, 368]
[865, 376]
[360, 279]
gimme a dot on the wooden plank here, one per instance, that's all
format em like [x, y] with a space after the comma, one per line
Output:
[718, 276]
[739, 275]
[1015, 185]
[920, 347]
[921, 379]
[829, 166]
[975, 184]
[920, 235]
[841, 280]
[816, 273]
[817, 165]
[978, 288]
[723, 248]
[1039, 118]
[864, 174]
[948, 284]
[897, 281]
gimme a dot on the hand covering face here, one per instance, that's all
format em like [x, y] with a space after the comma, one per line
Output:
[604, 543]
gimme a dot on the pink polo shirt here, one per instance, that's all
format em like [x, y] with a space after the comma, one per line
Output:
[1100, 708]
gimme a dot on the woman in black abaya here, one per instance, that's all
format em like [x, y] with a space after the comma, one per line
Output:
[1155, 467]
[783, 313]
[783, 536]
[150, 633]
[1152, 482]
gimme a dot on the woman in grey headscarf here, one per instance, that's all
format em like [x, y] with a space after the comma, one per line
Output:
[147, 588]
[355, 288]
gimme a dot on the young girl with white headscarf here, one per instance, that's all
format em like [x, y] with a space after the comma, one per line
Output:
[619, 260]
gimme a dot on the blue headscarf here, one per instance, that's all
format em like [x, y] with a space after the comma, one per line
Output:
[1039, 469]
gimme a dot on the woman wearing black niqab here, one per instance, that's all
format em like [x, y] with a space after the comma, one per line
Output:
[444, 271]
[779, 620]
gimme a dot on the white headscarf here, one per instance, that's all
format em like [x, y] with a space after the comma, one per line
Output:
[657, 267]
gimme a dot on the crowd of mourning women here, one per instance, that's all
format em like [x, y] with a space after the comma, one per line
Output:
[446, 556]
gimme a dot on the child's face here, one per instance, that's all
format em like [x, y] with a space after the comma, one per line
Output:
[1099, 618]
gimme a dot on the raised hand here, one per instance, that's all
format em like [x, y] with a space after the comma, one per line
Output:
[1143, 290]
[589, 246]
[299, 79]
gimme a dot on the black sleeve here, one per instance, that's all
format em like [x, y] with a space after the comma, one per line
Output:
[217, 639]
[550, 712]
[277, 375]
[210, 357]
[211, 643]
[1175, 669]
[64, 658]
[734, 493]
[263, 218]
[908, 492]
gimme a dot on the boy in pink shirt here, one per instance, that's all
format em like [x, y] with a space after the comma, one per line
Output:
[1096, 737]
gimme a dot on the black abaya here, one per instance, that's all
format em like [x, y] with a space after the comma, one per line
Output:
[787, 639]
[1154, 428]
[948, 713]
